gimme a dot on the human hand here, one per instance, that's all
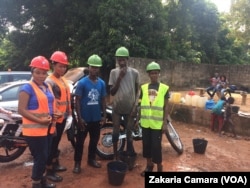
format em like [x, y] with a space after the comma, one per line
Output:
[68, 123]
[123, 72]
[81, 124]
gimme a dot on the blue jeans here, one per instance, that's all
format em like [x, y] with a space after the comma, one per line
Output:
[39, 147]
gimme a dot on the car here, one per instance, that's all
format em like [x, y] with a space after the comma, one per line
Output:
[73, 75]
[9, 94]
[11, 76]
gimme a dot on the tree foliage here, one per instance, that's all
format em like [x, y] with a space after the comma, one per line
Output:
[183, 30]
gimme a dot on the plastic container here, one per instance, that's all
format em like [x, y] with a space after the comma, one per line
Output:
[202, 102]
[128, 159]
[200, 145]
[195, 99]
[209, 104]
[175, 97]
[188, 99]
[116, 172]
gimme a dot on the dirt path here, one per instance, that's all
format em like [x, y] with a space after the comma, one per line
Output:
[222, 154]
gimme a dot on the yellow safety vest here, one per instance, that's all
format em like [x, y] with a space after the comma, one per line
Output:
[152, 113]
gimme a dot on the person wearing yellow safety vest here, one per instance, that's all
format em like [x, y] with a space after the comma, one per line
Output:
[153, 117]
[37, 107]
[61, 92]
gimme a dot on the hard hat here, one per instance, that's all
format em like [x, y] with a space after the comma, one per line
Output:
[122, 52]
[40, 62]
[153, 66]
[95, 61]
[59, 57]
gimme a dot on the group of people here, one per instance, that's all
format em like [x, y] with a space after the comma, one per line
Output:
[45, 106]
[219, 85]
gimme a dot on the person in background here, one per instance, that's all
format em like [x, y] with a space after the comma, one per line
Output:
[36, 105]
[222, 86]
[211, 90]
[217, 114]
[124, 87]
[90, 96]
[228, 116]
[153, 117]
[61, 92]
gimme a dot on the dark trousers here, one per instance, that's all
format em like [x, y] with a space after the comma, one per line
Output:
[39, 147]
[151, 144]
[54, 153]
[93, 128]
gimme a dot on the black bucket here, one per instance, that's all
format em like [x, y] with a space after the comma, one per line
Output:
[129, 159]
[116, 172]
[200, 145]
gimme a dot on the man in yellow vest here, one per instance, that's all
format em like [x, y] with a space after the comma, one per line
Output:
[153, 117]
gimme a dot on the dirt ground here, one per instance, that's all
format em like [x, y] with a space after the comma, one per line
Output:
[223, 154]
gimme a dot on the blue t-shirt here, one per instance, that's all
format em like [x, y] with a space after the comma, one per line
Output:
[33, 103]
[91, 97]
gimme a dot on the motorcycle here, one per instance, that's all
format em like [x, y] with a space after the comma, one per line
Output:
[12, 143]
[105, 145]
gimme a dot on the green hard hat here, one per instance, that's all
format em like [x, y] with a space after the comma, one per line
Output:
[122, 52]
[153, 66]
[95, 61]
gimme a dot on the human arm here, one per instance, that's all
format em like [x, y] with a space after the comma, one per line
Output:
[23, 110]
[104, 115]
[114, 87]
[80, 121]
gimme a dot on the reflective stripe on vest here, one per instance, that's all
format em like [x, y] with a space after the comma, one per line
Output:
[31, 128]
[152, 113]
[62, 104]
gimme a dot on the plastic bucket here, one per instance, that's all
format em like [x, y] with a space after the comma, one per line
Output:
[128, 159]
[116, 172]
[200, 145]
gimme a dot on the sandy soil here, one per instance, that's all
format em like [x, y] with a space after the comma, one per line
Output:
[222, 154]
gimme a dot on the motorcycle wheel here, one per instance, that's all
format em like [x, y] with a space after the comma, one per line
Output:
[105, 145]
[174, 139]
[11, 149]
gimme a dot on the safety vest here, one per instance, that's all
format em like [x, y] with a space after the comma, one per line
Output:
[31, 128]
[152, 113]
[63, 104]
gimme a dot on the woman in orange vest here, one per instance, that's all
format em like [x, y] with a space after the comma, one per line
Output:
[37, 107]
[61, 92]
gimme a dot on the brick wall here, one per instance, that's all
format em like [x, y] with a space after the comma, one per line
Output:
[188, 75]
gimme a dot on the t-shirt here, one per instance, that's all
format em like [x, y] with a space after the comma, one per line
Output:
[124, 99]
[91, 97]
[217, 109]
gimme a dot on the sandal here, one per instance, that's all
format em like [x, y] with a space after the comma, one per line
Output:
[147, 169]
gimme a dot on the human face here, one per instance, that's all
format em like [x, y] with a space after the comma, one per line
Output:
[93, 71]
[122, 61]
[154, 75]
[59, 69]
[39, 75]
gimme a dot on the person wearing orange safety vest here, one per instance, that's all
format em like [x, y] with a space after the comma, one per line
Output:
[153, 117]
[37, 107]
[61, 92]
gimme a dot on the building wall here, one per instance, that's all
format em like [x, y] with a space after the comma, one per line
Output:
[188, 75]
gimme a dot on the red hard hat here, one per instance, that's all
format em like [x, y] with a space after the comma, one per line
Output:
[59, 57]
[40, 62]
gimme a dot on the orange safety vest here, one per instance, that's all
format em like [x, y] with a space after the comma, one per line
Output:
[31, 128]
[63, 104]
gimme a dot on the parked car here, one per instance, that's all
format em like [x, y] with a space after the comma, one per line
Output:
[11, 76]
[9, 94]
